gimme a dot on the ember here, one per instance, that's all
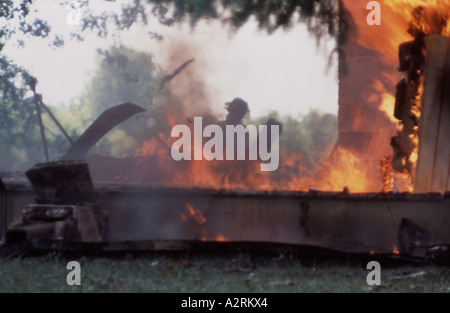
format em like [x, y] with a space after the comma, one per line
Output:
[195, 221]
[395, 249]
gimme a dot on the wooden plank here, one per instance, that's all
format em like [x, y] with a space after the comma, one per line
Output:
[109, 119]
[429, 119]
[441, 168]
[355, 223]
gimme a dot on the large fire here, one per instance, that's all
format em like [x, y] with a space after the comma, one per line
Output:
[405, 25]
[397, 16]
[340, 168]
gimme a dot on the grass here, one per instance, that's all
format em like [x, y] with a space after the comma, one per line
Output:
[166, 273]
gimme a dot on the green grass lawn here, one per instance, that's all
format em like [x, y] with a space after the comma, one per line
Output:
[202, 273]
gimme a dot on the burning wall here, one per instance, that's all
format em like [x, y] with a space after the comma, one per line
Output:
[432, 172]
[364, 129]
[376, 59]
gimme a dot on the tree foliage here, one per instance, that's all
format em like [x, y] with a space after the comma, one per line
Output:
[312, 136]
[17, 121]
[321, 16]
[19, 135]
[14, 19]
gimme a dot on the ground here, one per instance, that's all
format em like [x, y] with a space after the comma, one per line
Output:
[204, 273]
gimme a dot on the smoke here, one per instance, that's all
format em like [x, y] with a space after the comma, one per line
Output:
[188, 84]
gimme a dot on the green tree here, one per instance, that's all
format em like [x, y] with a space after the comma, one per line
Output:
[313, 136]
[321, 16]
[18, 128]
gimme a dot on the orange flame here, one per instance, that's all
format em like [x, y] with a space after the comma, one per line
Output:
[195, 223]
[121, 177]
[396, 16]
[386, 99]
[395, 250]
[221, 238]
[194, 214]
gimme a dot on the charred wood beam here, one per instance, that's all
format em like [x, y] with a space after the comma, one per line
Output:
[407, 104]
[413, 236]
[61, 183]
[356, 223]
[168, 78]
[30, 232]
[102, 125]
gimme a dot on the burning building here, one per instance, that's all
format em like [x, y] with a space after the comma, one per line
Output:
[380, 97]
[393, 126]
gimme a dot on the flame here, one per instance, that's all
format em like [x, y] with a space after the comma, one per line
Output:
[171, 120]
[121, 177]
[193, 213]
[395, 250]
[386, 173]
[194, 221]
[221, 238]
[339, 168]
[342, 168]
[385, 98]
[387, 106]
[396, 17]
[401, 21]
